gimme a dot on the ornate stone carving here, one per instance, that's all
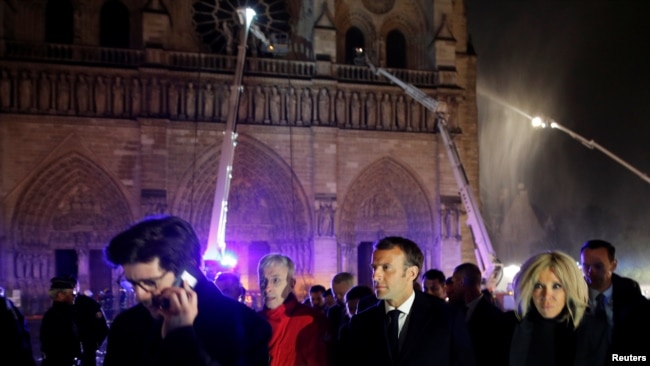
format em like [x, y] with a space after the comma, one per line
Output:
[118, 96]
[371, 111]
[275, 104]
[355, 110]
[324, 107]
[136, 97]
[154, 97]
[208, 101]
[82, 94]
[25, 89]
[44, 92]
[190, 100]
[292, 104]
[100, 95]
[379, 6]
[63, 93]
[5, 89]
[260, 105]
[325, 213]
[306, 106]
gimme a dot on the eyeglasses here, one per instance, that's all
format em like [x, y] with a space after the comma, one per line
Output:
[148, 284]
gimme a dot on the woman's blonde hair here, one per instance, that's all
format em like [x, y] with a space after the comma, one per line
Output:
[566, 270]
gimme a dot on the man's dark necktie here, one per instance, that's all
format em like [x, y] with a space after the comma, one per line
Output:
[600, 307]
[393, 332]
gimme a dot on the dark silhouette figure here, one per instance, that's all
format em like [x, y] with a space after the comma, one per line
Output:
[16, 339]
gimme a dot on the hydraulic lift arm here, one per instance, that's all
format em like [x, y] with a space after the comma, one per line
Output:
[486, 258]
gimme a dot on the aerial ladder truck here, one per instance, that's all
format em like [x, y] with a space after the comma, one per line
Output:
[486, 258]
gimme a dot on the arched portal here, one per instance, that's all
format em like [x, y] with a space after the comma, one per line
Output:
[266, 204]
[385, 199]
[72, 205]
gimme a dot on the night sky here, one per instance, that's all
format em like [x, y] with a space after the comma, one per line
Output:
[586, 65]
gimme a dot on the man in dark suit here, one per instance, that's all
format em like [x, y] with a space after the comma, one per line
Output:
[407, 327]
[90, 321]
[181, 317]
[610, 296]
[485, 321]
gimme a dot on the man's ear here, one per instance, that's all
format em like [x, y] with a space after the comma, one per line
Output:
[292, 283]
[614, 264]
[413, 271]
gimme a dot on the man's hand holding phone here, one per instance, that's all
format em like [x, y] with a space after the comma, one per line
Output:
[179, 305]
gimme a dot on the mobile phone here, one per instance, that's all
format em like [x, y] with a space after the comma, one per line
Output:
[185, 277]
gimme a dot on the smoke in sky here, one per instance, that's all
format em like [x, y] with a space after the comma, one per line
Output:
[584, 65]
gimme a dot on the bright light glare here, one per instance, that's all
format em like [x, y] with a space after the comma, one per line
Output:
[246, 16]
[538, 122]
[211, 253]
[250, 14]
[510, 271]
[228, 260]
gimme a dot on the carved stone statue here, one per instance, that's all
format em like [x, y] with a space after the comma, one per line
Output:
[275, 105]
[416, 115]
[25, 89]
[44, 92]
[292, 104]
[326, 219]
[260, 105]
[324, 107]
[190, 100]
[63, 93]
[371, 111]
[100, 95]
[400, 111]
[208, 101]
[340, 108]
[154, 97]
[306, 106]
[82, 94]
[355, 110]
[136, 97]
[172, 101]
[386, 112]
[118, 96]
[5, 89]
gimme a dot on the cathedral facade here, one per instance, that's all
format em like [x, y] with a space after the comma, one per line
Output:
[112, 111]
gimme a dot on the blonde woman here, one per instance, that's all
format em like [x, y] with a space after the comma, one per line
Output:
[554, 328]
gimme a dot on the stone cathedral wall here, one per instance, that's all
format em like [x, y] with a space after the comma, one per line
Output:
[329, 155]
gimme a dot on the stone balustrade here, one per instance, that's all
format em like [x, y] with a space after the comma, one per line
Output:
[126, 87]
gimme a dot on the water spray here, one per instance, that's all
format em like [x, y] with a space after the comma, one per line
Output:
[541, 122]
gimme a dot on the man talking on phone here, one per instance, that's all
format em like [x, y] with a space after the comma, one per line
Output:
[181, 317]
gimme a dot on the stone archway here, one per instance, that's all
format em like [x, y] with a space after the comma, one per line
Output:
[71, 204]
[385, 199]
[267, 203]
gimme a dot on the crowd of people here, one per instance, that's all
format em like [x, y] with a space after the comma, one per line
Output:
[564, 314]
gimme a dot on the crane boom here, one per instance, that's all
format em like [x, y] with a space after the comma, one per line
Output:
[217, 234]
[486, 258]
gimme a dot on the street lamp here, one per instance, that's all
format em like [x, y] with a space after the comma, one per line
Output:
[539, 122]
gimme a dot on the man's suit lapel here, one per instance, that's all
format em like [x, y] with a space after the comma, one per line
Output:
[379, 323]
[418, 320]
